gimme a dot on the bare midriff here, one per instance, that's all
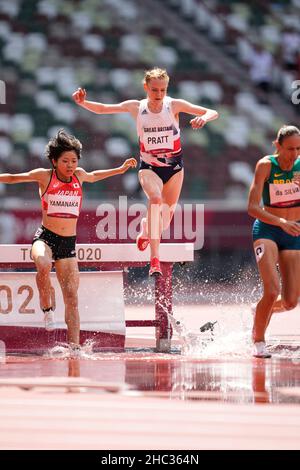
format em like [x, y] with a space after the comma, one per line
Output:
[66, 227]
[287, 213]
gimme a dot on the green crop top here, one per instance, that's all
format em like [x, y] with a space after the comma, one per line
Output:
[279, 190]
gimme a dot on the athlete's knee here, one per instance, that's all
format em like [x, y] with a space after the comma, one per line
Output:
[290, 302]
[155, 199]
[43, 265]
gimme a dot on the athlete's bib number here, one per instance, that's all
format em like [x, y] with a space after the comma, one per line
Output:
[159, 141]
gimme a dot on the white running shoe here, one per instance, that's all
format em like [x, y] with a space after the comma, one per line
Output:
[259, 350]
[49, 321]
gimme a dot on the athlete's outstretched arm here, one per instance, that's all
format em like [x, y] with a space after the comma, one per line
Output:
[38, 175]
[203, 115]
[129, 106]
[97, 175]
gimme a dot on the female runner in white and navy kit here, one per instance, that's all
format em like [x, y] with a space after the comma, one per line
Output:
[60, 190]
[161, 166]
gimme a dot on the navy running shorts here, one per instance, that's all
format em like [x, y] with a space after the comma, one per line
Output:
[164, 172]
[283, 240]
[62, 247]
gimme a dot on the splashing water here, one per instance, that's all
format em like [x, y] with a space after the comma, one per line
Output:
[280, 350]
[60, 351]
[226, 337]
[65, 351]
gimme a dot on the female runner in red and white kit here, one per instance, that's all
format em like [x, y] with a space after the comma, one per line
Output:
[60, 191]
[161, 164]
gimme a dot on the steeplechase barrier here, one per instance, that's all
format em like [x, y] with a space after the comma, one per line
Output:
[101, 296]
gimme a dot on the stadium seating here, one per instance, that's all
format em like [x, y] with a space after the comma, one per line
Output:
[49, 48]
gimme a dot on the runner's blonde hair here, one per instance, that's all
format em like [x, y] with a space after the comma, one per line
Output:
[157, 73]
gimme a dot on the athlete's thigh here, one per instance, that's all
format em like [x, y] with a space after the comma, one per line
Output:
[289, 263]
[67, 273]
[150, 182]
[266, 254]
[170, 196]
[172, 189]
[39, 250]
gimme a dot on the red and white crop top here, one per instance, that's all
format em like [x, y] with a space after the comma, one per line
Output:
[62, 199]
